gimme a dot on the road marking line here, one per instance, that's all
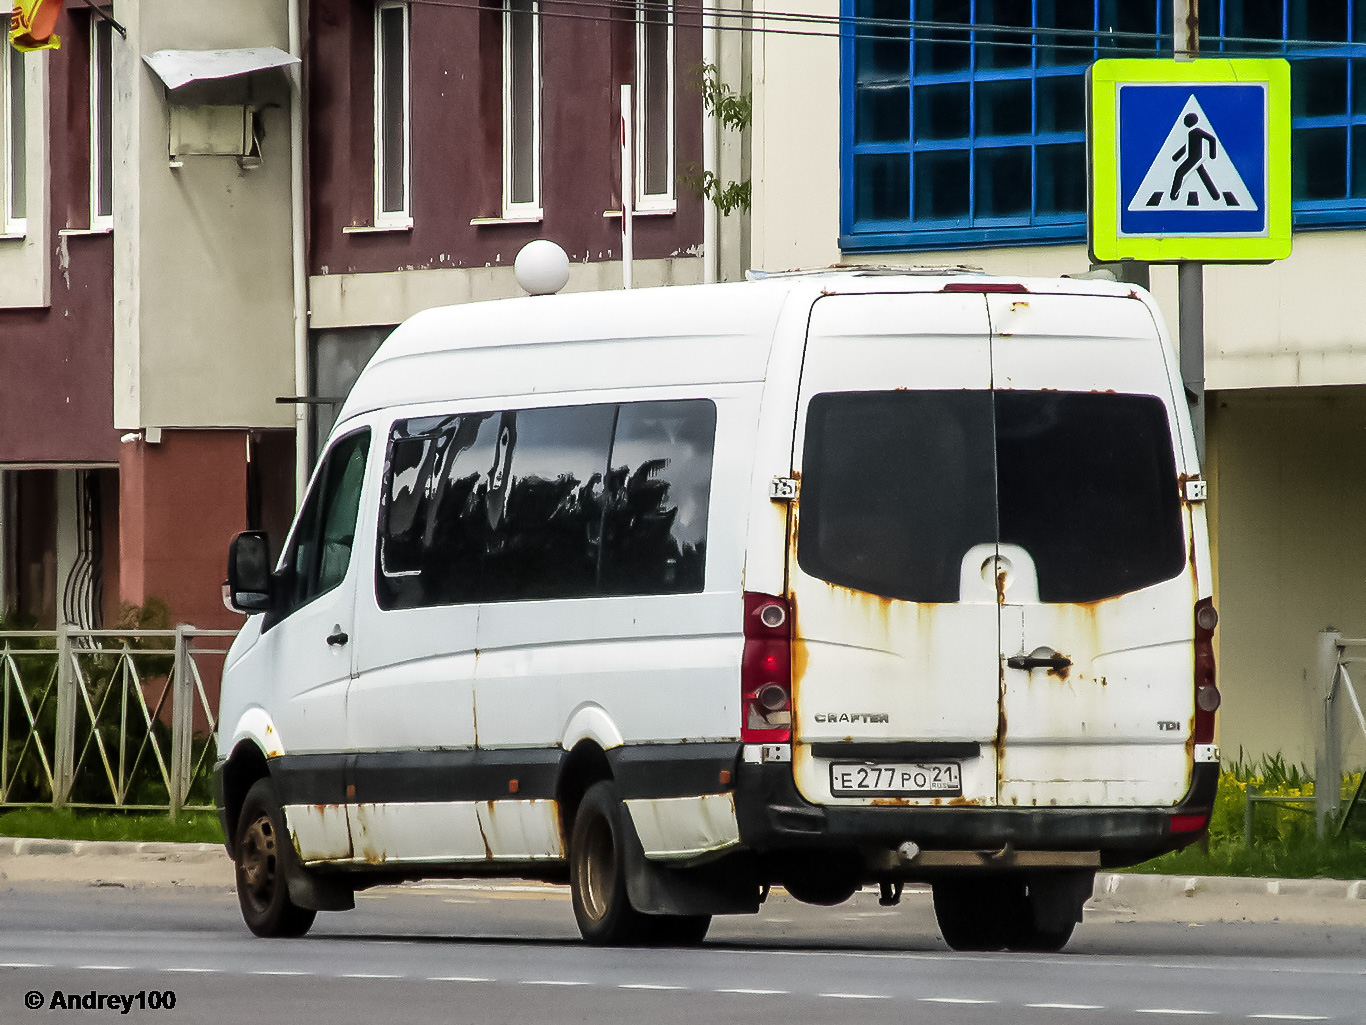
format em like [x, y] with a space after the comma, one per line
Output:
[104, 968]
[756, 992]
[1169, 1010]
[1069, 1007]
[552, 982]
[205, 971]
[368, 975]
[457, 978]
[954, 1000]
[1293, 1017]
[646, 985]
[854, 996]
[276, 971]
[22, 964]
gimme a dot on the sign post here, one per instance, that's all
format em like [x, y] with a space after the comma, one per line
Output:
[1190, 276]
[1190, 164]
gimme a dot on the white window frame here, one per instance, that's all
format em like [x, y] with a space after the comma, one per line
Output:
[658, 201]
[526, 210]
[11, 62]
[100, 78]
[402, 218]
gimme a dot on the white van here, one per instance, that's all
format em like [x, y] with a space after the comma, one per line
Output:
[820, 581]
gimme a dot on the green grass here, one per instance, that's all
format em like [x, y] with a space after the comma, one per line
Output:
[68, 824]
[1329, 858]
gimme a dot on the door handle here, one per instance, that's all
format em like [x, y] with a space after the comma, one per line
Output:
[338, 636]
[1039, 661]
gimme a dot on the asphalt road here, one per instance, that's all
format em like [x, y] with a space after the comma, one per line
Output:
[463, 953]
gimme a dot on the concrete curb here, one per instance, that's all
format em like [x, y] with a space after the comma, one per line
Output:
[1108, 884]
[18, 846]
[1130, 884]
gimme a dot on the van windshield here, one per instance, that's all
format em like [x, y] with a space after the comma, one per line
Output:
[897, 486]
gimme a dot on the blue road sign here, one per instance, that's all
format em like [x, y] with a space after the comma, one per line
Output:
[1192, 160]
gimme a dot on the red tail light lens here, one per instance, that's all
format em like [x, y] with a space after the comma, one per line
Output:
[766, 671]
[1188, 823]
[1207, 697]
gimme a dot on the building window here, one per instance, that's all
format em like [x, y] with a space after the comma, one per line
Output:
[654, 105]
[961, 137]
[393, 136]
[521, 108]
[101, 126]
[13, 152]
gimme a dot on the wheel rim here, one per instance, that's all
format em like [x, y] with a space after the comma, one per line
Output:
[256, 867]
[597, 870]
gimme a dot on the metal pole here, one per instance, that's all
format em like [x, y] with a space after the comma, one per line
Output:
[628, 184]
[65, 741]
[1328, 771]
[182, 721]
[1190, 276]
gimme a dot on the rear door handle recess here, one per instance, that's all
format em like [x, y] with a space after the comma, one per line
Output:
[338, 636]
[1053, 661]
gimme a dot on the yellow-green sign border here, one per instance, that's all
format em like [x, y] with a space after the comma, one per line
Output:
[1103, 81]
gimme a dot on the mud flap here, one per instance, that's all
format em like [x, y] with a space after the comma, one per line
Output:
[717, 888]
[313, 891]
[1056, 898]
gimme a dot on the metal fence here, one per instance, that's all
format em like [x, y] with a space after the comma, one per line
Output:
[1343, 725]
[109, 718]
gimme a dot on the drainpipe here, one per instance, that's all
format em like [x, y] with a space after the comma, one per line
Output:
[711, 259]
[296, 214]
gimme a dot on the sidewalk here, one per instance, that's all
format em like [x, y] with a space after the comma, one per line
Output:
[1119, 896]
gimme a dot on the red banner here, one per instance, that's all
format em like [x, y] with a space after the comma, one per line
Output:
[32, 23]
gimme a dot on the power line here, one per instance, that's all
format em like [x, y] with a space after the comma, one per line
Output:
[828, 26]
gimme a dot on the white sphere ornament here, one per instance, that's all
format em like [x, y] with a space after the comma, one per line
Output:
[542, 267]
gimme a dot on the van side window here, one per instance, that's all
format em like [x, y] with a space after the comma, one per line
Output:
[320, 550]
[659, 486]
[434, 523]
[896, 487]
[545, 504]
[516, 505]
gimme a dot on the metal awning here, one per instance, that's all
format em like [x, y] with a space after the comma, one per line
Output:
[181, 67]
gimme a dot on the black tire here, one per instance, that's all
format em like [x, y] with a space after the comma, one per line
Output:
[597, 872]
[1027, 936]
[980, 913]
[260, 847]
[676, 930]
[597, 881]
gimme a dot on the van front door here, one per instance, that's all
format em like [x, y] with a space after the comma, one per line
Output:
[1098, 590]
[895, 640]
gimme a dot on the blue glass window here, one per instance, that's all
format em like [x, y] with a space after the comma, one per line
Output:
[962, 135]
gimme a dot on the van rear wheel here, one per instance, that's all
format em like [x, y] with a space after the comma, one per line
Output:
[979, 913]
[597, 881]
[259, 850]
[597, 872]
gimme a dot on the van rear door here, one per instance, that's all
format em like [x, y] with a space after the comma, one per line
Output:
[896, 666]
[1096, 564]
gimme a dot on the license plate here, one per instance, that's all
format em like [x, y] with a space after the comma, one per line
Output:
[896, 779]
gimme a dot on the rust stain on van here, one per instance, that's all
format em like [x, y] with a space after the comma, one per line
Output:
[890, 802]
[958, 802]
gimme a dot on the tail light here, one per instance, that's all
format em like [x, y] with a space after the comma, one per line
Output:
[1207, 697]
[766, 671]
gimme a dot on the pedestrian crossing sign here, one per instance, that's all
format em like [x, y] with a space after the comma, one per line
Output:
[1189, 160]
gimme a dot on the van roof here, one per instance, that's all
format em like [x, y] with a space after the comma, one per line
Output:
[695, 334]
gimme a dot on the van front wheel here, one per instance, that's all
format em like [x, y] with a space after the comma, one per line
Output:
[259, 868]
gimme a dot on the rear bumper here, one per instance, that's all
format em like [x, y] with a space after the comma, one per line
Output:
[774, 817]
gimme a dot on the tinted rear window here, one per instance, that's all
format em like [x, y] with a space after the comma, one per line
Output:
[1088, 487]
[897, 486]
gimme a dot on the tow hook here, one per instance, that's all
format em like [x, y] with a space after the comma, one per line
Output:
[889, 893]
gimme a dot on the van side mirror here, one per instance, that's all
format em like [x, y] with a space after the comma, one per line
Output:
[249, 578]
